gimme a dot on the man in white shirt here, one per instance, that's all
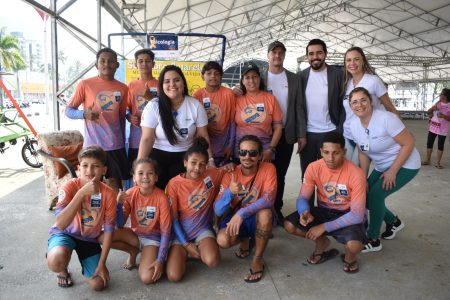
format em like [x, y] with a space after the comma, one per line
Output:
[286, 87]
[322, 91]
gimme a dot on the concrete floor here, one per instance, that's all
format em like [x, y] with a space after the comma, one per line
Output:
[416, 265]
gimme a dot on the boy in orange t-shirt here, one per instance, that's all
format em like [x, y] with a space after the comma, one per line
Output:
[219, 103]
[85, 206]
[341, 199]
[141, 91]
[104, 102]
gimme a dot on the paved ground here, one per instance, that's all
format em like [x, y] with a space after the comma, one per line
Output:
[415, 265]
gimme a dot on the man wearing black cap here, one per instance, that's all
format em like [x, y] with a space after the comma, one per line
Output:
[286, 87]
[321, 91]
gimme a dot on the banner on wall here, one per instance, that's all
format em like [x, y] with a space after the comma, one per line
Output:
[165, 46]
[191, 70]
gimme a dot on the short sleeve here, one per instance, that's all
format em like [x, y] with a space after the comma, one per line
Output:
[379, 87]
[393, 124]
[150, 115]
[202, 117]
[224, 184]
[277, 113]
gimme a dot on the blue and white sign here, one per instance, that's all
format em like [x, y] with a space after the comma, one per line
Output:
[164, 45]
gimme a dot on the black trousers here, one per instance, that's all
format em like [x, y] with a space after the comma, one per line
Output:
[170, 164]
[283, 154]
[311, 153]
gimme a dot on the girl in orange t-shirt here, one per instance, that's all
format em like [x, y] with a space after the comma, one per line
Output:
[191, 196]
[151, 224]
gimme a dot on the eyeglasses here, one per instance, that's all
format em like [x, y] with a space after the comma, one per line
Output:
[361, 102]
[252, 153]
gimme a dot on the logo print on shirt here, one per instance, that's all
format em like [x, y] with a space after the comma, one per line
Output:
[88, 216]
[141, 216]
[140, 102]
[107, 100]
[252, 114]
[214, 113]
[198, 198]
[250, 197]
[332, 193]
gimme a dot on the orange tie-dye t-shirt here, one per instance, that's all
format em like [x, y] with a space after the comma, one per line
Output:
[110, 99]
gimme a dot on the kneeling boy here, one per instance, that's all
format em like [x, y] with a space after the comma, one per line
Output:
[341, 198]
[85, 205]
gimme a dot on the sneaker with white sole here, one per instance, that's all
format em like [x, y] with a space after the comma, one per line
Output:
[372, 246]
[392, 229]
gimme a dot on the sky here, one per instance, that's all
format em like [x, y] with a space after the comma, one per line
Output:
[17, 15]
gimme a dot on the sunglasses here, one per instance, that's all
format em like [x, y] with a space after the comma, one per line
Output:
[252, 153]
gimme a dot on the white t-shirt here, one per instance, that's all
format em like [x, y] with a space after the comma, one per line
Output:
[376, 89]
[277, 85]
[377, 141]
[190, 115]
[317, 103]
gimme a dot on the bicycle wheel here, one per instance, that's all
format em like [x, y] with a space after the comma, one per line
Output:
[30, 155]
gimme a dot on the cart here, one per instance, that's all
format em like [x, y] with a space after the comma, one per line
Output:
[11, 131]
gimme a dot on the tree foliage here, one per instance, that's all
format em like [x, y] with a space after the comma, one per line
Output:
[10, 57]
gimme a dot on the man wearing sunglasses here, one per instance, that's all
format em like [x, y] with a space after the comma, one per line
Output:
[341, 199]
[245, 204]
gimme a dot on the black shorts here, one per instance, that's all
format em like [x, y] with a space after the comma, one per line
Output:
[355, 232]
[118, 165]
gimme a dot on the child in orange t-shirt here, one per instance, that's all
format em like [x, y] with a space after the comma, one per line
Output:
[151, 224]
[219, 103]
[85, 205]
[192, 196]
[104, 102]
[140, 92]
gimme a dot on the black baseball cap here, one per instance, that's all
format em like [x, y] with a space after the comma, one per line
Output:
[249, 67]
[275, 44]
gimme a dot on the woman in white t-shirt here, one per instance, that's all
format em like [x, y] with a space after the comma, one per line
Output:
[359, 73]
[170, 123]
[382, 137]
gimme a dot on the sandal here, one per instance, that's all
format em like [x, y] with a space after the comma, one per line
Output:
[248, 280]
[439, 166]
[242, 253]
[425, 163]
[64, 281]
[350, 267]
[323, 257]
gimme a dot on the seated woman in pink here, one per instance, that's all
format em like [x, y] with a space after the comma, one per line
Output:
[257, 113]
[438, 127]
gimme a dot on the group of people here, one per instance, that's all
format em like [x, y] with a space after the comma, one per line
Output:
[209, 170]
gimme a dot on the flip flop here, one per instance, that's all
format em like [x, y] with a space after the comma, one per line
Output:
[350, 267]
[324, 256]
[242, 253]
[68, 280]
[255, 273]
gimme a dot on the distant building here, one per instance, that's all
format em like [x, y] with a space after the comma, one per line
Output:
[31, 51]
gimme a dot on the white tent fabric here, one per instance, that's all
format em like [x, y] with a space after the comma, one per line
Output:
[406, 40]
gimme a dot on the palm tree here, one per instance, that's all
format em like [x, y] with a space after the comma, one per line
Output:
[10, 57]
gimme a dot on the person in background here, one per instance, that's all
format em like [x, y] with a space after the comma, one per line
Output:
[219, 103]
[438, 127]
[257, 113]
[141, 91]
